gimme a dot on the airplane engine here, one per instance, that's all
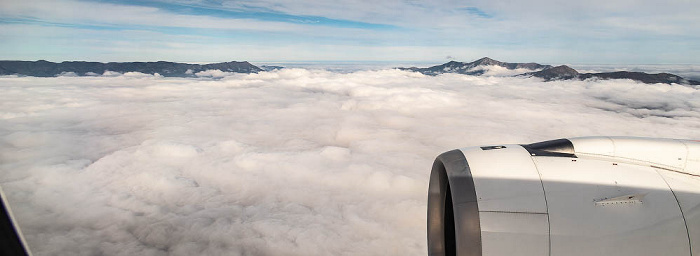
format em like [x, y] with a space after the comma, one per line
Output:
[579, 196]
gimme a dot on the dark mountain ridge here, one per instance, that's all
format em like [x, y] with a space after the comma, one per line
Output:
[547, 72]
[470, 68]
[564, 72]
[44, 68]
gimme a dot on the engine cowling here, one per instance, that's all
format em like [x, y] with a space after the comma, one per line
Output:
[579, 196]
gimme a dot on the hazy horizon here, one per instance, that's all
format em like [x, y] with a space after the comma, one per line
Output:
[425, 62]
[688, 71]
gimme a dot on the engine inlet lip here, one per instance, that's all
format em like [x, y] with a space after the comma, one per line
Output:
[452, 204]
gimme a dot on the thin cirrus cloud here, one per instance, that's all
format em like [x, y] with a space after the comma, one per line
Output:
[86, 14]
[290, 162]
[93, 25]
[592, 32]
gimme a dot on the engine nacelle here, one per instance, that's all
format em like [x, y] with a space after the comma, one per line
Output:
[580, 196]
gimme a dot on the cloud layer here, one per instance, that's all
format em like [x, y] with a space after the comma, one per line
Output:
[290, 162]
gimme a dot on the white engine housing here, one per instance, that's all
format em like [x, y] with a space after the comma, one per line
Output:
[581, 196]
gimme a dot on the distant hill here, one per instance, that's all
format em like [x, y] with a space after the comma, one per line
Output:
[642, 77]
[470, 68]
[564, 72]
[44, 68]
[556, 73]
[547, 72]
[270, 67]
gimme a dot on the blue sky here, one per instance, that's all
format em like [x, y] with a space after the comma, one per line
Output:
[592, 32]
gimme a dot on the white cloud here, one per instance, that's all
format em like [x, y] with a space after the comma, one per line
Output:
[500, 71]
[111, 73]
[68, 74]
[132, 74]
[83, 13]
[541, 31]
[213, 73]
[669, 17]
[291, 162]
[91, 13]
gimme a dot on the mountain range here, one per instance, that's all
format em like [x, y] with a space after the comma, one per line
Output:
[44, 68]
[472, 68]
[564, 72]
[547, 72]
